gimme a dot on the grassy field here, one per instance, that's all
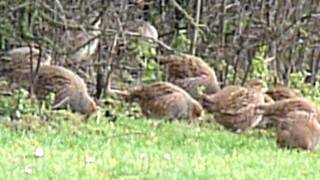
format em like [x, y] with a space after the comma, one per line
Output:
[136, 148]
[142, 149]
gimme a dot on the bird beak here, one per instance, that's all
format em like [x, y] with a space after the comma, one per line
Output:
[90, 114]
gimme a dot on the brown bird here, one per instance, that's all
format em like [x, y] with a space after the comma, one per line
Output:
[234, 106]
[299, 129]
[281, 109]
[165, 100]
[278, 93]
[68, 87]
[190, 73]
[15, 65]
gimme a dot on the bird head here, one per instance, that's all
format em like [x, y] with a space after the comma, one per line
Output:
[83, 103]
[257, 85]
[207, 103]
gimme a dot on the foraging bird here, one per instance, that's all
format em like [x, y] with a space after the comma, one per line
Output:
[299, 129]
[15, 65]
[81, 44]
[278, 93]
[68, 87]
[165, 100]
[280, 109]
[190, 73]
[234, 106]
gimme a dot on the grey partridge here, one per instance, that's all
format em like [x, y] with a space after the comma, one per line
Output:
[234, 106]
[15, 65]
[278, 93]
[68, 87]
[190, 73]
[299, 129]
[280, 109]
[165, 100]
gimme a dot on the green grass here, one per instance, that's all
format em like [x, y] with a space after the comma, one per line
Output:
[136, 148]
[142, 149]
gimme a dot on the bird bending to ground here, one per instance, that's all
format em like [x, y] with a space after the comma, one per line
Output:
[280, 109]
[190, 73]
[15, 65]
[277, 93]
[165, 100]
[68, 87]
[234, 106]
[299, 129]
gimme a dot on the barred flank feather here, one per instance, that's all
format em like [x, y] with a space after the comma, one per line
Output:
[165, 100]
[279, 93]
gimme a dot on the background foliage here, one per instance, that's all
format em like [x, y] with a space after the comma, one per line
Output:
[242, 39]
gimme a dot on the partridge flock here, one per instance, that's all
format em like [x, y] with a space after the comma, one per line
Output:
[191, 88]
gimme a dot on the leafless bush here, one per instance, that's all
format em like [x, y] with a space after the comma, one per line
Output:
[229, 32]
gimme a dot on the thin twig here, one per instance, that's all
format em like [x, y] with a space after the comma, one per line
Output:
[31, 68]
[194, 43]
[185, 13]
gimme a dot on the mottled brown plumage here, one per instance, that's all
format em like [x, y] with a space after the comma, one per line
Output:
[278, 93]
[165, 100]
[190, 73]
[299, 129]
[15, 65]
[280, 109]
[69, 89]
[234, 106]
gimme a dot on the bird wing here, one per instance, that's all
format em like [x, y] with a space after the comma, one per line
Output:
[179, 67]
[50, 81]
[279, 93]
[240, 101]
[151, 92]
[283, 107]
[169, 105]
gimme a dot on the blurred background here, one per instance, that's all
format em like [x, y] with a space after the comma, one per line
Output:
[277, 41]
